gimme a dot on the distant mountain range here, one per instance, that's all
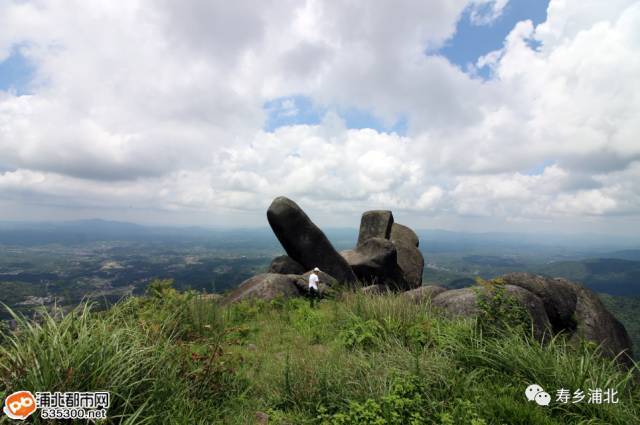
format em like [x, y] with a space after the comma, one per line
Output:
[432, 239]
[608, 264]
[609, 275]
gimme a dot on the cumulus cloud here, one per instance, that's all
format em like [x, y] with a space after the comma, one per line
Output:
[484, 12]
[161, 106]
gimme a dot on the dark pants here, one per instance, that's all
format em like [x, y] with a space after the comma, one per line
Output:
[314, 296]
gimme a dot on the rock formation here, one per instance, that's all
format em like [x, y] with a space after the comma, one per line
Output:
[375, 224]
[386, 257]
[464, 302]
[386, 253]
[555, 305]
[423, 294]
[265, 286]
[558, 296]
[285, 265]
[304, 242]
[406, 272]
[403, 235]
[376, 261]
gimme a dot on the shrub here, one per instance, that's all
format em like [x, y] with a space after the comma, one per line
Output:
[498, 310]
[405, 404]
[360, 333]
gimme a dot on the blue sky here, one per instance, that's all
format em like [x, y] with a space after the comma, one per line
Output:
[472, 41]
[469, 42]
[15, 73]
[293, 110]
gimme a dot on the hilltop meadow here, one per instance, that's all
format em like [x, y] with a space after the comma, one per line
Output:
[173, 357]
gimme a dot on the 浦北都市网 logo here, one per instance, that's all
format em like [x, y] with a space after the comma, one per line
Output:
[19, 405]
[58, 405]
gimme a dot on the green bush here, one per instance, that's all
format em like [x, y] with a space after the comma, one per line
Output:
[405, 404]
[360, 333]
[498, 310]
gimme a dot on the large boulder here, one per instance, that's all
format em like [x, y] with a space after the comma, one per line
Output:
[596, 324]
[558, 296]
[423, 294]
[375, 224]
[411, 263]
[578, 312]
[404, 235]
[464, 302]
[265, 286]
[325, 285]
[410, 258]
[285, 265]
[304, 242]
[375, 261]
[377, 289]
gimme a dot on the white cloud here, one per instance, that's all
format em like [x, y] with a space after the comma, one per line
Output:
[484, 12]
[154, 105]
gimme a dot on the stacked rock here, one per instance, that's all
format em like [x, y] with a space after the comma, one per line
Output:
[386, 253]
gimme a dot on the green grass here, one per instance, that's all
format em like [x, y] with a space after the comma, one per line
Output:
[173, 358]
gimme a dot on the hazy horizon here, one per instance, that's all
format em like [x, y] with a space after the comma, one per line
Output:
[97, 226]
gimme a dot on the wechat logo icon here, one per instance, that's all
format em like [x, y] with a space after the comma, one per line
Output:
[536, 393]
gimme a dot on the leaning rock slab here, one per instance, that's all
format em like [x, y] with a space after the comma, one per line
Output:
[285, 265]
[375, 224]
[304, 242]
[464, 302]
[265, 286]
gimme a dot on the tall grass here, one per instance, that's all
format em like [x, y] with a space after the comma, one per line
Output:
[362, 359]
[79, 353]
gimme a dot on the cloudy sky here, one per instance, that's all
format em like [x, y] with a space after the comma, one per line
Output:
[460, 114]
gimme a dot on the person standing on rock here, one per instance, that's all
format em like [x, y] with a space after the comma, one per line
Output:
[314, 293]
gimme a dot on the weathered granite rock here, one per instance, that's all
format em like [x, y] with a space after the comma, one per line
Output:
[596, 324]
[411, 263]
[265, 286]
[401, 234]
[558, 296]
[375, 289]
[375, 261]
[464, 302]
[374, 258]
[375, 224]
[285, 265]
[304, 242]
[423, 294]
[410, 258]
[577, 311]
[325, 285]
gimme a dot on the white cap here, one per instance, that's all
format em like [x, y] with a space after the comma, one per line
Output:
[316, 269]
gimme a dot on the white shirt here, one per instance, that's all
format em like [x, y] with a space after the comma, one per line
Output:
[313, 281]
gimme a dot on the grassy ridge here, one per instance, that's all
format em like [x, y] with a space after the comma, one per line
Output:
[173, 358]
